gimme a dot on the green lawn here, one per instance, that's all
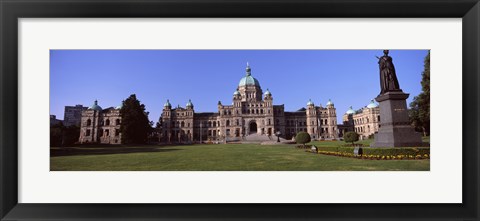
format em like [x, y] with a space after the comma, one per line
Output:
[221, 157]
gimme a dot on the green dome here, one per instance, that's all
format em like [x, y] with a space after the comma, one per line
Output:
[189, 104]
[119, 106]
[167, 104]
[268, 92]
[329, 102]
[248, 79]
[350, 111]
[372, 104]
[236, 93]
[310, 102]
[95, 106]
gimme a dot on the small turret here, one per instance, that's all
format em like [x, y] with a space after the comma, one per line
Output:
[330, 103]
[167, 105]
[95, 106]
[310, 103]
[189, 104]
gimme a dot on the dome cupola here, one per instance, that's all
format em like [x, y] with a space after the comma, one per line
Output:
[372, 104]
[267, 92]
[350, 111]
[310, 102]
[248, 79]
[167, 104]
[329, 102]
[236, 93]
[95, 106]
[189, 104]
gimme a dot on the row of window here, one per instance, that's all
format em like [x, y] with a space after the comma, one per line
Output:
[362, 129]
[103, 123]
[185, 114]
[215, 123]
[102, 133]
[365, 120]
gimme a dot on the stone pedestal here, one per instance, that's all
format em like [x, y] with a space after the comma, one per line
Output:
[395, 129]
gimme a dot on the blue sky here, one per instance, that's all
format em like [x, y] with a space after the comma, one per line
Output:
[348, 77]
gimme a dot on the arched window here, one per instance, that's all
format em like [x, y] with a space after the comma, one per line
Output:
[89, 122]
[237, 122]
[183, 124]
[117, 122]
[107, 122]
[214, 123]
[269, 122]
[261, 111]
[228, 123]
[378, 118]
[209, 124]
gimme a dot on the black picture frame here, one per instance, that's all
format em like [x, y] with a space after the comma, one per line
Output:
[11, 11]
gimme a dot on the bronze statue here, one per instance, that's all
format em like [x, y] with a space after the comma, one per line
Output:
[388, 77]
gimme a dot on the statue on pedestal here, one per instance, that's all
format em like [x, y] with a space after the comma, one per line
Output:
[394, 128]
[388, 77]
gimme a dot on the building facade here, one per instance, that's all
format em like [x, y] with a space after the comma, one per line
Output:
[54, 120]
[365, 122]
[73, 115]
[252, 113]
[100, 125]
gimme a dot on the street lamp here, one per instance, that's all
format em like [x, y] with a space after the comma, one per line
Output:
[200, 132]
[278, 136]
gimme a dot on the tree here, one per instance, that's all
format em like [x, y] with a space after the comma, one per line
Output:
[419, 112]
[350, 137]
[61, 135]
[71, 134]
[135, 125]
[303, 138]
[56, 132]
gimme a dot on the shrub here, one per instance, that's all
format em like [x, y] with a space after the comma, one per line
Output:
[303, 138]
[397, 151]
[350, 137]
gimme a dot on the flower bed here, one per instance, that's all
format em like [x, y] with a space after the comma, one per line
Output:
[408, 153]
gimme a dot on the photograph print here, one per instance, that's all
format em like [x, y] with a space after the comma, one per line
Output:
[240, 110]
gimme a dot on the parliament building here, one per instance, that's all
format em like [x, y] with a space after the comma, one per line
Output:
[252, 116]
[252, 113]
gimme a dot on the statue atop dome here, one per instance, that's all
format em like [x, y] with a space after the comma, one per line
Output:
[248, 70]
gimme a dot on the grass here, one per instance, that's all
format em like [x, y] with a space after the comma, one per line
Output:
[221, 157]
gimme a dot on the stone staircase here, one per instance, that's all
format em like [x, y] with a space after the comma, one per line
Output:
[251, 138]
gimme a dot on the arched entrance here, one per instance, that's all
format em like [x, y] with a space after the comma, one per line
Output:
[253, 127]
